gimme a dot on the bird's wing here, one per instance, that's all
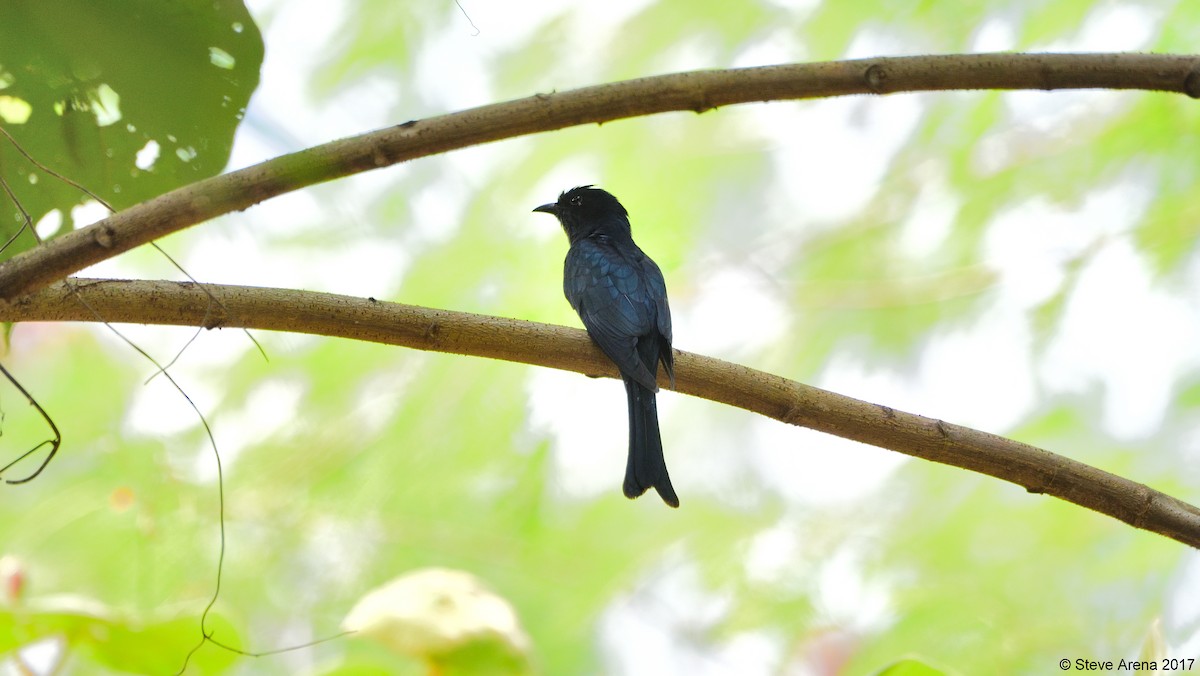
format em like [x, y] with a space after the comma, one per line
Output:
[610, 293]
[662, 314]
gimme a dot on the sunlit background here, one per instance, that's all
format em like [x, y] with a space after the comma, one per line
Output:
[1022, 263]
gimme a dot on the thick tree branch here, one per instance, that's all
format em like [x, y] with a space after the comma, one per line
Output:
[1038, 471]
[696, 91]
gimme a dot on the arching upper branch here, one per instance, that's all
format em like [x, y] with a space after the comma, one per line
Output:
[696, 91]
[1038, 471]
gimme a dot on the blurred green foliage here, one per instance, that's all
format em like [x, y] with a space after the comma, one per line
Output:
[98, 84]
[381, 461]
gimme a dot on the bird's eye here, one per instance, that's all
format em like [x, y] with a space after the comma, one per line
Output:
[577, 200]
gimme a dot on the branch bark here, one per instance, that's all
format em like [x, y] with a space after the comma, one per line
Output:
[696, 91]
[1036, 470]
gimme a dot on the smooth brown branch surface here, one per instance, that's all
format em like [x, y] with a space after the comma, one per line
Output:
[1038, 471]
[695, 91]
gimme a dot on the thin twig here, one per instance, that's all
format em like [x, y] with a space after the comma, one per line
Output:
[206, 325]
[468, 16]
[103, 202]
[205, 634]
[26, 221]
[37, 163]
[278, 651]
[54, 443]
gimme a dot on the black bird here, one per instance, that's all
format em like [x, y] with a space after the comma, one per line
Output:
[621, 297]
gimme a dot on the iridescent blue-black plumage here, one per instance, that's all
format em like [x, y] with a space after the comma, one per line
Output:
[621, 297]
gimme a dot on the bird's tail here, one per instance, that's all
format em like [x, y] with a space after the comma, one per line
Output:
[646, 466]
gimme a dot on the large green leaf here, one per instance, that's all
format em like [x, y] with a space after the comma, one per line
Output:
[91, 89]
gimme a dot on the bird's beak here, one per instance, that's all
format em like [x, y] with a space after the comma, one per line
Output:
[551, 209]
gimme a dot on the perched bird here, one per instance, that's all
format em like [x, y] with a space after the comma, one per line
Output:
[621, 297]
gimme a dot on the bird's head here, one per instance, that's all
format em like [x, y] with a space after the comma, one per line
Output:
[586, 210]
